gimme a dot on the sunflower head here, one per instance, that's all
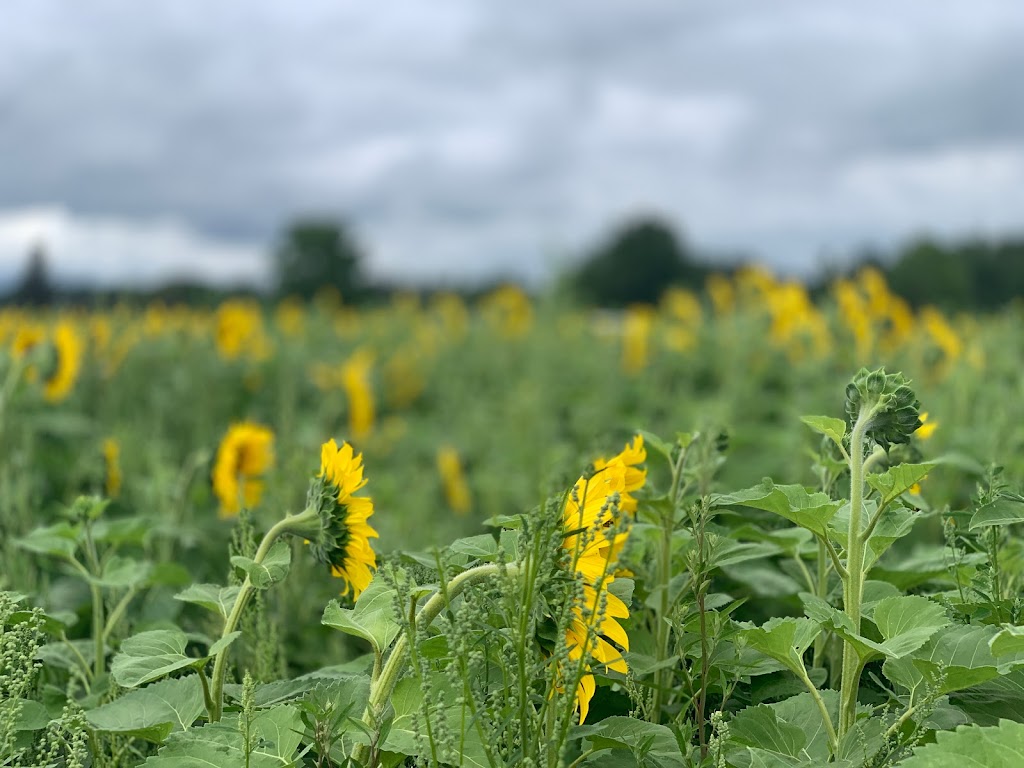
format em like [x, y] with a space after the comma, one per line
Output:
[342, 538]
[244, 456]
[596, 520]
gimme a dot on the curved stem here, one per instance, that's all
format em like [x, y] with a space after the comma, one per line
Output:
[244, 595]
[384, 686]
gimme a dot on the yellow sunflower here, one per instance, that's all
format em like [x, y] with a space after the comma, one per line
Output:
[69, 350]
[344, 543]
[592, 520]
[112, 459]
[244, 455]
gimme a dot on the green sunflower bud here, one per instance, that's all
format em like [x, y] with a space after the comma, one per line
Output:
[894, 408]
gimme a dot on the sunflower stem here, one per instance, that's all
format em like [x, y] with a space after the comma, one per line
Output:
[384, 686]
[290, 524]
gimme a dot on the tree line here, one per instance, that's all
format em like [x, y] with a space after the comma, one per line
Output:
[634, 263]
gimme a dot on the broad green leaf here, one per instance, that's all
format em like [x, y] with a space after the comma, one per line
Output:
[213, 597]
[907, 622]
[895, 523]
[1000, 746]
[834, 429]
[407, 701]
[1002, 511]
[640, 738]
[150, 655]
[223, 643]
[784, 640]
[761, 727]
[809, 510]
[1000, 697]
[954, 658]
[280, 729]
[273, 569]
[58, 540]
[153, 712]
[31, 715]
[125, 530]
[898, 480]
[124, 572]
[1009, 641]
[802, 711]
[222, 745]
[836, 621]
[726, 552]
[372, 618]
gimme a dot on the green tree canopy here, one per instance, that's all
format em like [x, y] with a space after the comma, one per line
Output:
[635, 265]
[316, 254]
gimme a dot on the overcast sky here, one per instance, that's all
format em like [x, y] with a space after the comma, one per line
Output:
[465, 139]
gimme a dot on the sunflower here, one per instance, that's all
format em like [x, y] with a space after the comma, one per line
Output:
[112, 460]
[69, 348]
[343, 541]
[595, 520]
[244, 455]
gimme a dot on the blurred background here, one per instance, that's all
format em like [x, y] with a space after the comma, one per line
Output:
[188, 151]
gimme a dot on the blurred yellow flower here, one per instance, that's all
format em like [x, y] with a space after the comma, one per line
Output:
[636, 334]
[355, 379]
[453, 480]
[927, 428]
[69, 350]
[244, 456]
[112, 460]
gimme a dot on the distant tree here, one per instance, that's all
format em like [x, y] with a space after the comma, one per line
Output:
[316, 254]
[637, 263]
[35, 288]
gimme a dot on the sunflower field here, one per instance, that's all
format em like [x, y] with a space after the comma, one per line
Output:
[745, 528]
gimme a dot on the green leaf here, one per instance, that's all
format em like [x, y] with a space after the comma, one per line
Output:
[124, 572]
[402, 735]
[153, 712]
[898, 480]
[954, 658]
[222, 745]
[213, 597]
[273, 569]
[784, 640]
[642, 739]
[988, 703]
[372, 618]
[808, 510]
[58, 540]
[150, 655]
[1000, 746]
[1002, 511]
[761, 727]
[32, 716]
[834, 429]
[1009, 641]
[907, 622]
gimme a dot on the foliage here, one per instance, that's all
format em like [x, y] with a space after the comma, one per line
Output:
[763, 588]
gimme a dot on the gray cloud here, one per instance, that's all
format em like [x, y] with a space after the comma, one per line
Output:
[465, 138]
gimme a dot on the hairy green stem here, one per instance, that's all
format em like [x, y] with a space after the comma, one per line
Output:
[853, 581]
[384, 686]
[244, 595]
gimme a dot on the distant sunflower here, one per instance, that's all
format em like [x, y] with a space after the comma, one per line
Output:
[343, 541]
[112, 460]
[595, 519]
[244, 456]
[68, 347]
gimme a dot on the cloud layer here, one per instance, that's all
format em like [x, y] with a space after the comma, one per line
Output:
[465, 139]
